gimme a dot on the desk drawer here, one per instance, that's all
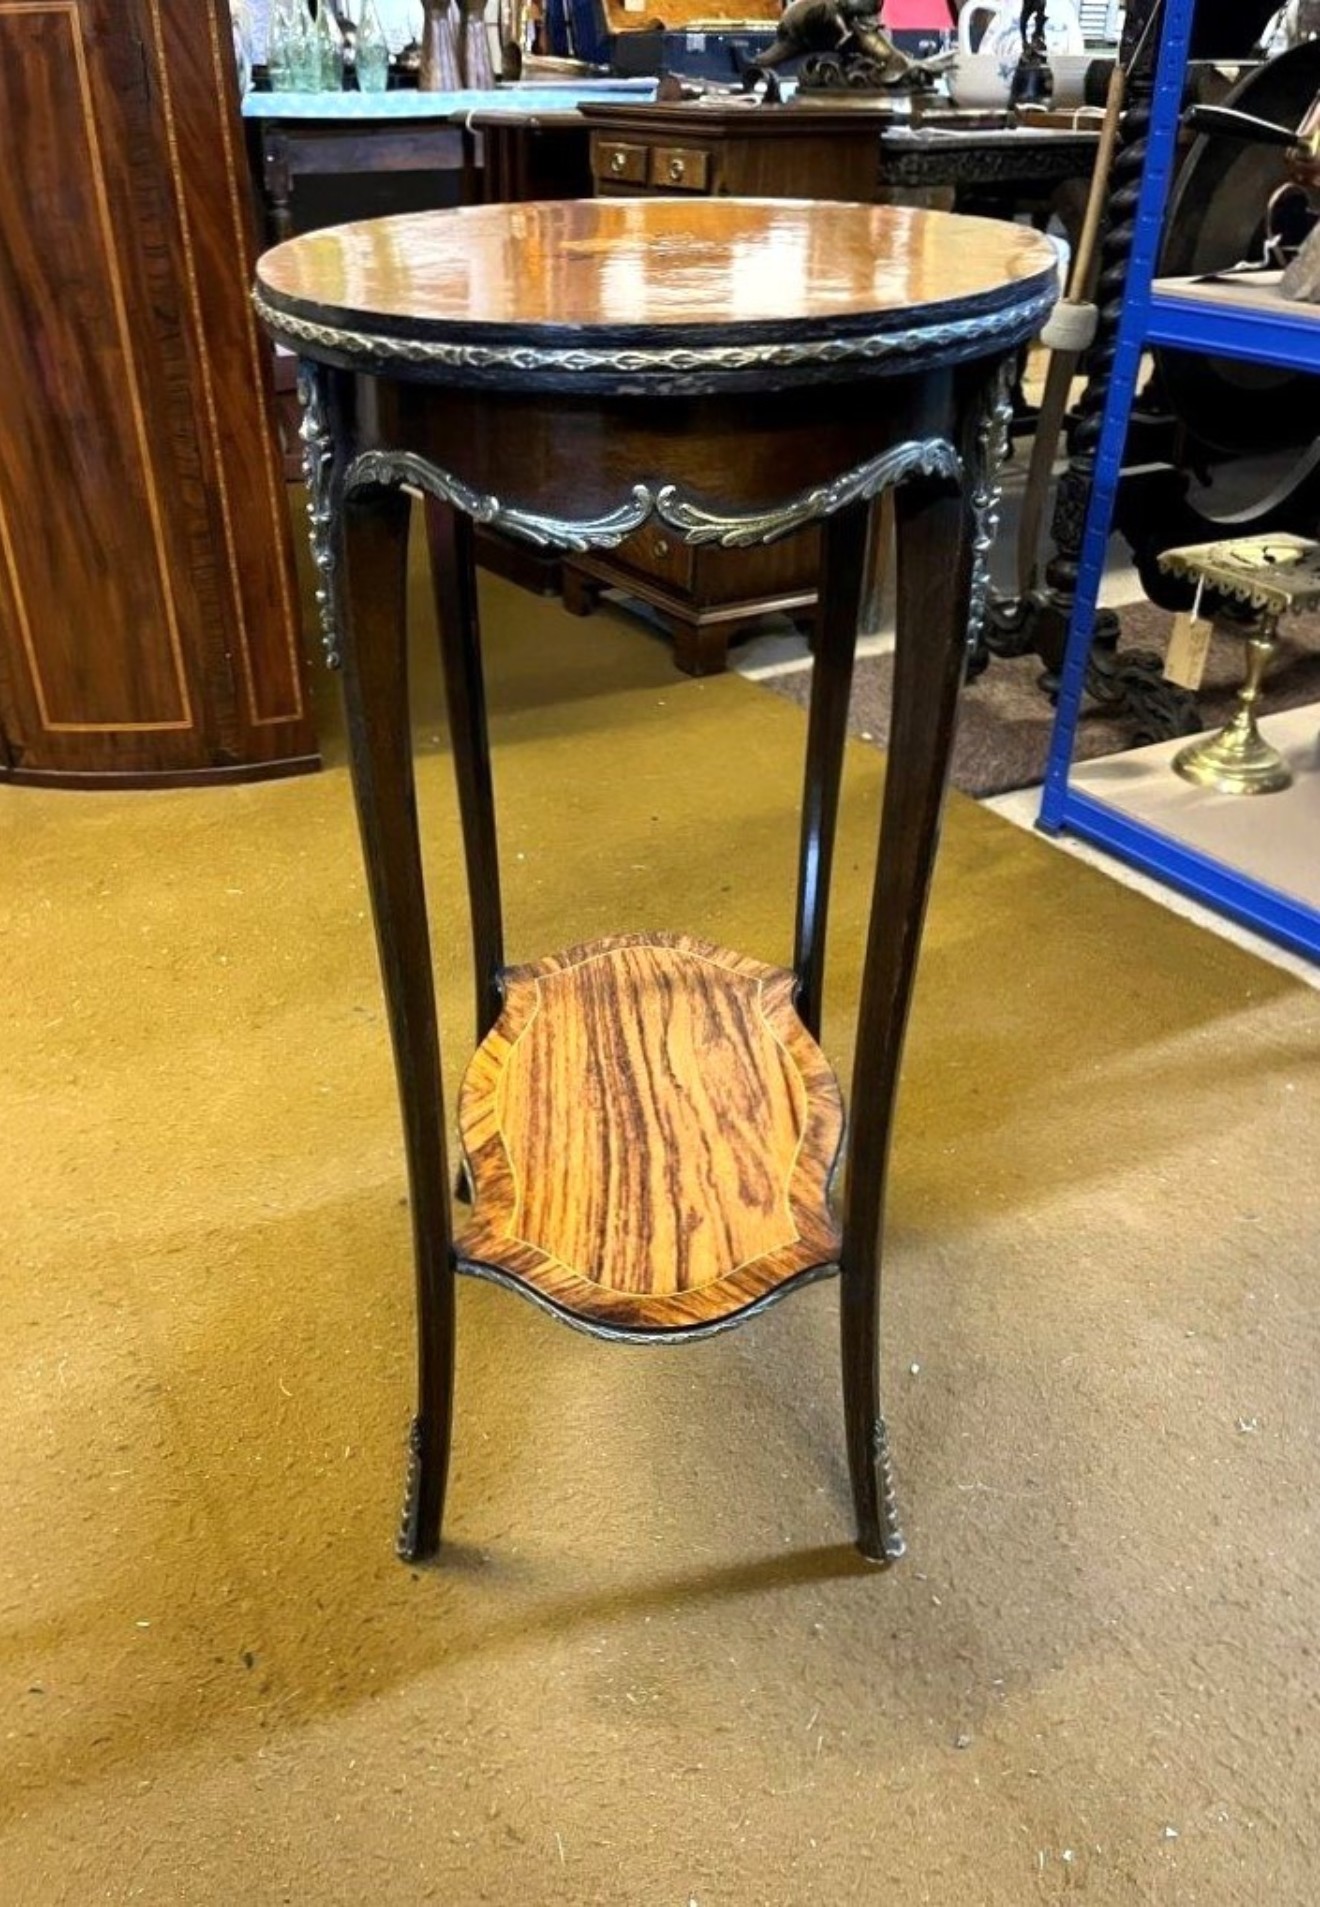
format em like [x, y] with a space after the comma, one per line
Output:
[618, 161]
[680, 169]
[660, 553]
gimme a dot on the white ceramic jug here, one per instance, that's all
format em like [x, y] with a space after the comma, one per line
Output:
[1000, 37]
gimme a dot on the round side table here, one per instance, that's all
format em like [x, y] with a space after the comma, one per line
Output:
[650, 1131]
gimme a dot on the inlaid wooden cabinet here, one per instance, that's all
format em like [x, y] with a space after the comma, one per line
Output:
[149, 622]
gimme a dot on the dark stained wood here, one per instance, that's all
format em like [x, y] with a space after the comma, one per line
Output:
[722, 150]
[734, 149]
[453, 574]
[846, 537]
[605, 268]
[649, 1131]
[374, 557]
[292, 149]
[934, 575]
[705, 597]
[583, 454]
[148, 613]
[542, 156]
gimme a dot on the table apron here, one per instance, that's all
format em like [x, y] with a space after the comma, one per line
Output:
[737, 456]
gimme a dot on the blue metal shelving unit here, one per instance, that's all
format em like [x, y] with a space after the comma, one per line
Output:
[1161, 316]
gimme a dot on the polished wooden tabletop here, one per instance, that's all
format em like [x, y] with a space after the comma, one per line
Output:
[654, 264]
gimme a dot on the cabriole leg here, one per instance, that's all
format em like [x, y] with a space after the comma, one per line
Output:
[842, 577]
[454, 582]
[374, 548]
[934, 584]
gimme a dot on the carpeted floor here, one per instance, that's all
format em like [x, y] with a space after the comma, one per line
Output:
[1005, 721]
[649, 1669]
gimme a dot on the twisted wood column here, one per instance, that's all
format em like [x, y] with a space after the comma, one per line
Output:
[1040, 624]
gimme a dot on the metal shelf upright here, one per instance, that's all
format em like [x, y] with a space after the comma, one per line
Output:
[1195, 319]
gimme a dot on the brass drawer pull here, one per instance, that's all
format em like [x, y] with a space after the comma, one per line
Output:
[617, 160]
[680, 169]
[662, 546]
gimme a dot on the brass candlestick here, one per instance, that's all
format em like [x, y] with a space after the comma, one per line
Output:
[1275, 575]
[1238, 760]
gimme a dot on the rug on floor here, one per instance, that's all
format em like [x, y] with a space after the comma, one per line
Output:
[1006, 718]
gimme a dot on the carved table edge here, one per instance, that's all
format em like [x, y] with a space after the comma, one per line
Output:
[946, 340]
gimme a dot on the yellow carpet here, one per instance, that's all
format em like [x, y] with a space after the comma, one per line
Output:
[649, 1668]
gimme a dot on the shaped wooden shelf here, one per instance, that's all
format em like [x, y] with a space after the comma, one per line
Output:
[650, 1132]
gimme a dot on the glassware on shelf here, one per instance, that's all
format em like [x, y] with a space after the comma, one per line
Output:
[293, 57]
[329, 42]
[277, 46]
[372, 51]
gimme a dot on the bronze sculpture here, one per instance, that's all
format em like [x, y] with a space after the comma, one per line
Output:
[1033, 83]
[844, 45]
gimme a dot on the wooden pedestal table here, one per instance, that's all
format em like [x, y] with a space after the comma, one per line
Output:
[649, 1126]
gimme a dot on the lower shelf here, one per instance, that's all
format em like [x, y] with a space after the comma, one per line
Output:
[650, 1133]
[1269, 838]
[1251, 857]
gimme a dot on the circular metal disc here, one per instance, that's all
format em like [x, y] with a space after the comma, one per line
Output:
[1217, 219]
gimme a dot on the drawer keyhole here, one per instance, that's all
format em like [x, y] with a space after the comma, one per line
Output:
[676, 171]
[618, 161]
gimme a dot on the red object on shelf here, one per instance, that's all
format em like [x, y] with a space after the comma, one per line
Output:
[920, 15]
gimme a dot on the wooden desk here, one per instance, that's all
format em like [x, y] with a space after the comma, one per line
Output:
[649, 1126]
[307, 136]
[810, 149]
[1012, 162]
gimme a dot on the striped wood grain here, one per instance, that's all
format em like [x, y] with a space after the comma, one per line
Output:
[650, 1132]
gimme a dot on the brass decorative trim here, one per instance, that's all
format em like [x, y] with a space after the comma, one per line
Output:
[318, 460]
[991, 450]
[1276, 572]
[890, 1531]
[407, 1544]
[389, 468]
[982, 334]
[693, 520]
[928, 457]
[623, 1334]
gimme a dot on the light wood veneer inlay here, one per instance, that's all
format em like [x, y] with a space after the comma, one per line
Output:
[650, 1132]
[596, 264]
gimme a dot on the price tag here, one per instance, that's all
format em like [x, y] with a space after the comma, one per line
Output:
[1189, 645]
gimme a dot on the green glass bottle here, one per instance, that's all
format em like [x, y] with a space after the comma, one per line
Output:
[329, 48]
[372, 51]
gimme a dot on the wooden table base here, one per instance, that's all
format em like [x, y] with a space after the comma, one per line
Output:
[649, 1124]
